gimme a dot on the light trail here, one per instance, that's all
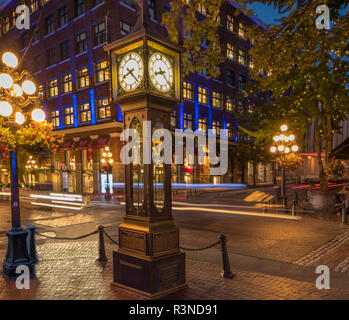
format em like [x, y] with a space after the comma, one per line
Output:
[243, 213]
[54, 206]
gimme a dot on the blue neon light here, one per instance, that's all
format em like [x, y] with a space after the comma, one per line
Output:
[75, 106]
[93, 105]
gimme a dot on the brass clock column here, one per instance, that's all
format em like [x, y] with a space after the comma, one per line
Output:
[146, 84]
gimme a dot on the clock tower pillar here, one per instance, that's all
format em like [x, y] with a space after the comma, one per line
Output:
[146, 70]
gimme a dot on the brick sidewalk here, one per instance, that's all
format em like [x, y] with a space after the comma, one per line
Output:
[69, 270]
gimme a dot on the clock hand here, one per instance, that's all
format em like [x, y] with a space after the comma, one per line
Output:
[131, 73]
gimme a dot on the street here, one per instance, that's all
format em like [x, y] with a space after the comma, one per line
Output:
[277, 250]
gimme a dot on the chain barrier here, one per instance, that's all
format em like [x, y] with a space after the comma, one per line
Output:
[110, 238]
[62, 238]
[201, 249]
[226, 273]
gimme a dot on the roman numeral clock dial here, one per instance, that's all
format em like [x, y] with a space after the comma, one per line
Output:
[131, 72]
[161, 72]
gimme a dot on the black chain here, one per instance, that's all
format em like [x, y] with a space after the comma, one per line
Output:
[201, 249]
[61, 238]
[115, 242]
[110, 238]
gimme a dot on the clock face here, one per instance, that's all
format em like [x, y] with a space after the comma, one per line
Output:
[161, 72]
[131, 71]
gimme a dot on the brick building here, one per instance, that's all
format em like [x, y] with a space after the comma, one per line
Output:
[64, 52]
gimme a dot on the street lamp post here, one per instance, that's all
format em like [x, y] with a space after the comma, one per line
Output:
[283, 145]
[16, 101]
[107, 163]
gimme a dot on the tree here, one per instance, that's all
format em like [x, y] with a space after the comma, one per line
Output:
[37, 139]
[301, 76]
[200, 19]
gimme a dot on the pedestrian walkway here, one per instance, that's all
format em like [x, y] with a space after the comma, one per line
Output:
[69, 270]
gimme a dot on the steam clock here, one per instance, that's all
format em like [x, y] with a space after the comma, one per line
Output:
[146, 84]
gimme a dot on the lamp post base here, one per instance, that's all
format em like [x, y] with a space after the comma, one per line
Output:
[17, 254]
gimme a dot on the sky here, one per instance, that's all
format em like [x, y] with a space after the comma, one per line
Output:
[268, 15]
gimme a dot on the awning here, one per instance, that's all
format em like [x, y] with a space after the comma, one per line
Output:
[66, 145]
[101, 142]
[83, 143]
[342, 150]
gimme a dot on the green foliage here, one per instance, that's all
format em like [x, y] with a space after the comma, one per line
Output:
[198, 28]
[335, 169]
[301, 76]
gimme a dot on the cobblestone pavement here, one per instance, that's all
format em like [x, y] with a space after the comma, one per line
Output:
[334, 254]
[69, 270]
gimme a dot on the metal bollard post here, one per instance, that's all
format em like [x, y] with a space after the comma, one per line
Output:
[294, 208]
[265, 208]
[344, 216]
[32, 247]
[102, 256]
[226, 273]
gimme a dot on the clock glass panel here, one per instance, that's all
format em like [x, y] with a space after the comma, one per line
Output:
[131, 71]
[161, 72]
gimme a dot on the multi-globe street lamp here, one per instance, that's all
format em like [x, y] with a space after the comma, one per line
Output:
[18, 106]
[284, 144]
[107, 164]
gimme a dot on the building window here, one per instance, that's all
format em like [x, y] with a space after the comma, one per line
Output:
[202, 125]
[174, 119]
[79, 7]
[51, 56]
[242, 31]
[125, 28]
[230, 23]
[63, 16]
[6, 24]
[69, 116]
[100, 35]
[67, 84]
[53, 88]
[24, 40]
[81, 43]
[217, 99]
[50, 25]
[65, 50]
[187, 121]
[41, 91]
[36, 36]
[229, 129]
[231, 51]
[216, 127]
[188, 90]
[102, 71]
[230, 78]
[37, 63]
[34, 5]
[202, 9]
[230, 104]
[83, 78]
[104, 111]
[241, 82]
[55, 118]
[152, 10]
[84, 112]
[250, 62]
[203, 96]
[242, 57]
